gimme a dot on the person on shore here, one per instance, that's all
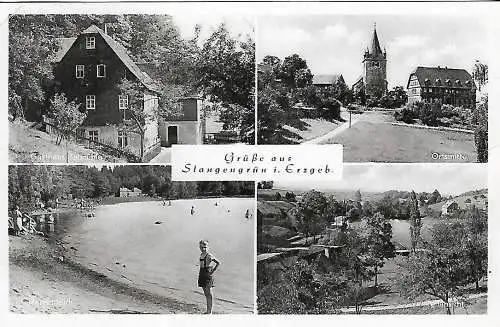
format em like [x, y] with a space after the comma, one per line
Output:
[192, 210]
[206, 275]
[18, 216]
[57, 203]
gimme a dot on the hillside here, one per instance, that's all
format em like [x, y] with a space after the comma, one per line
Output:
[476, 198]
[29, 145]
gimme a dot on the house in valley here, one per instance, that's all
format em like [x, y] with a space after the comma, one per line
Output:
[449, 207]
[125, 192]
[90, 68]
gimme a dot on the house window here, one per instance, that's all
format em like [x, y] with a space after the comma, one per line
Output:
[80, 71]
[90, 102]
[94, 135]
[122, 139]
[123, 105]
[101, 70]
[90, 42]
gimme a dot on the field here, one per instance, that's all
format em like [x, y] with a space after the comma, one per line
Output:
[373, 139]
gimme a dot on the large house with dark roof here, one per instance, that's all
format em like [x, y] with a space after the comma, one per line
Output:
[89, 69]
[442, 85]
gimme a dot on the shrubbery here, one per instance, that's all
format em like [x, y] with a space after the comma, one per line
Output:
[434, 114]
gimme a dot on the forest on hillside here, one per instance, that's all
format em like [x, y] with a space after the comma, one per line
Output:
[29, 183]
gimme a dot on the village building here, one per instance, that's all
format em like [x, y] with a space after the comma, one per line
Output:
[90, 68]
[327, 80]
[442, 85]
[449, 207]
[186, 128]
[374, 79]
[125, 192]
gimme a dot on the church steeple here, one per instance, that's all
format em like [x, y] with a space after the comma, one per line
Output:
[375, 48]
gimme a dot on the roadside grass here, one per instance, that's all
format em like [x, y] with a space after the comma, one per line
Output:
[372, 139]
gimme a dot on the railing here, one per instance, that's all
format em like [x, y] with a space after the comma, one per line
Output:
[102, 146]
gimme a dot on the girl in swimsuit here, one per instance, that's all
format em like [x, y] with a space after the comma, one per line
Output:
[205, 278]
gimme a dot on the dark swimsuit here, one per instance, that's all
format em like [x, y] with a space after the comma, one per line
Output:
[205, 278]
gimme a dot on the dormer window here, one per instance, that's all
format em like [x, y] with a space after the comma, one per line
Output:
[101, 70]
[457, 82]
[90, 42]
[438, 81]
[80, 71]
[427, 81]
[448, 81]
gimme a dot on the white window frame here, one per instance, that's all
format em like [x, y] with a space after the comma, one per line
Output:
[90, 42]
[90, 102]
[124, 138]
[104, 70]
[80, 69]
[123, 104]
[93, 135]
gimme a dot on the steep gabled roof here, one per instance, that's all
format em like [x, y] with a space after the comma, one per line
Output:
[329, 79]
[64, 44]
[121, 52]
[438, 76]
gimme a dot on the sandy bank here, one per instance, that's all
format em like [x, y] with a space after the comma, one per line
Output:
[42, 280]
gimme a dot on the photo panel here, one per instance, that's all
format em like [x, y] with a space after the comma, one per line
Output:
[125, 88]
[389, 88]
[128, 239]
[386, 239]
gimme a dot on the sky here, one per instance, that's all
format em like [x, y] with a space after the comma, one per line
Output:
[335, 44]
[236, 24]
[449, 179]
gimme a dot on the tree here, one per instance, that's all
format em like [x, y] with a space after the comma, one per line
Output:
[135, 91]
[290, 197]
[30, 53]
[480, 73]
[476, 248]
[294, 72]
[311, 213]
[66, 115]
[435, 197]
[225, 70]
[480, 118]
[380, 247]
[439, 270]
[415, 221]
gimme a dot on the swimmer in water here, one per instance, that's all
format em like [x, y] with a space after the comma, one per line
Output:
[192, 210]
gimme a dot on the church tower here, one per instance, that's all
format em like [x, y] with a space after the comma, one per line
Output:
[374, 68]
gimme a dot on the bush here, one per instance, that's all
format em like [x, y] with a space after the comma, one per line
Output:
[405, 115]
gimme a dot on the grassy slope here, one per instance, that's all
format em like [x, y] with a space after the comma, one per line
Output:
[28, 145]
[372, 139]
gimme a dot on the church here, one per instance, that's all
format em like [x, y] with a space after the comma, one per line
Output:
[374, 79]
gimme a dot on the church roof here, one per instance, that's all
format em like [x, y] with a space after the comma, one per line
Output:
[439, 76]
[375, 47]
[329, 79]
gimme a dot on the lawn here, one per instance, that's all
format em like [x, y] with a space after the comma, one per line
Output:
[29, 145]
[314, 128]
[374, 139]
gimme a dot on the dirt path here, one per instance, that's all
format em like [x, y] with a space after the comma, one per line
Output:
[428, 303]
[341, 128]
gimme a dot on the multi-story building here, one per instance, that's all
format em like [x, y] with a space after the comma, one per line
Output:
[442, 85]
[90, 69]
[374, 78]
